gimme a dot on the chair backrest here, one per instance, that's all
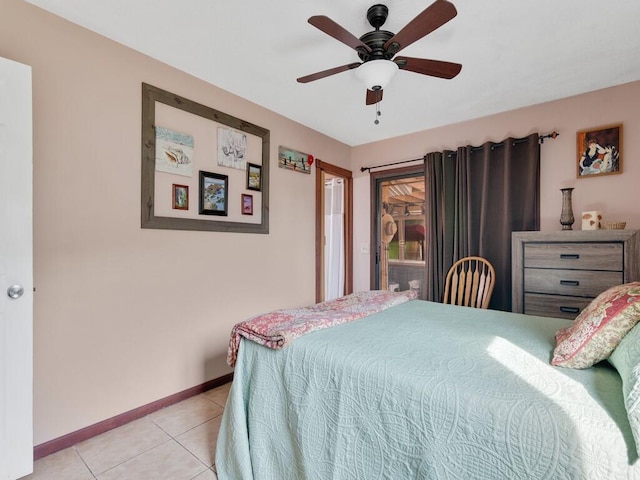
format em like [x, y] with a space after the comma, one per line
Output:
[470, 283]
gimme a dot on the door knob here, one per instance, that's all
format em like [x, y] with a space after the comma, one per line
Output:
[15, 291]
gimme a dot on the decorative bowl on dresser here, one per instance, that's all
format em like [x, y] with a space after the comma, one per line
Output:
[557, 274]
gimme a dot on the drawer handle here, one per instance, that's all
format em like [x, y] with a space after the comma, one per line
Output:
[570, 283]
[569, 256]
[569, 309]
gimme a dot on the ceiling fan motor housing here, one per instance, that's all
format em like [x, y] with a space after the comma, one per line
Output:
[375, 40]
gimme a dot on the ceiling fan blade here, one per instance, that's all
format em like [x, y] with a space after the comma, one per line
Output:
[431, 18]
[433, 68]
[373, 96]
[327, 73]
[334, 30]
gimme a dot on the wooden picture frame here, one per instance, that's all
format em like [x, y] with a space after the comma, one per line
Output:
[294, 160]
[153, 96]
[247, 204]
[599, 151]
[254, 177]
[214, 193]
[180, 196]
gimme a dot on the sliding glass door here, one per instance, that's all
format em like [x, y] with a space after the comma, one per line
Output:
[398, 229]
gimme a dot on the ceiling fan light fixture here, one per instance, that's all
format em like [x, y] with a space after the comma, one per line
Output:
[376, 74]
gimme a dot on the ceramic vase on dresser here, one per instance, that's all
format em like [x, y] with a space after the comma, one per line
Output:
[566, 217]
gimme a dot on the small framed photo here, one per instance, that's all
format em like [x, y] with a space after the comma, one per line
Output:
[254, 177]
[214, 193]
[180, 197]
[599, 151]
[247, 204]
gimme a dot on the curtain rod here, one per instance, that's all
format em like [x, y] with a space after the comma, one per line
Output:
[500, 144]
[551, 135]
[364, 169]
[541, 139]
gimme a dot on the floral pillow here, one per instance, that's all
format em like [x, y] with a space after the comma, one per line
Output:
[598, 329]
[626, 359]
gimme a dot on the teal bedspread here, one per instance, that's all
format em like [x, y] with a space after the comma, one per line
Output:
[424, 391]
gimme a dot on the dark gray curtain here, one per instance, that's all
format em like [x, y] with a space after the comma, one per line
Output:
[439, 198]
[478, 196]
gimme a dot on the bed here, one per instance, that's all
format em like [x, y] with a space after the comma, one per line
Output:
[423, 390]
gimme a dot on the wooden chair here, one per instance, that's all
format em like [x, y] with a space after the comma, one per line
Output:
[470, 283]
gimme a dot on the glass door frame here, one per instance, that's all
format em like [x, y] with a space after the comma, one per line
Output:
[376, 179]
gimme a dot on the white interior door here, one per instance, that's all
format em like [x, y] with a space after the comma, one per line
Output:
[16, 272]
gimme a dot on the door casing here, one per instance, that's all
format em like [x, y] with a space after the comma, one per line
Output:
[323, 168]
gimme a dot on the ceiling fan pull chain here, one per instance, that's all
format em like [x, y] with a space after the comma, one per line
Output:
[378, 113]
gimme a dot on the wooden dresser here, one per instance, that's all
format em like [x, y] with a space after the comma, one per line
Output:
[557, 274]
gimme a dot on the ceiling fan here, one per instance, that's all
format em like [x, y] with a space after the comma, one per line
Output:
[377, 48]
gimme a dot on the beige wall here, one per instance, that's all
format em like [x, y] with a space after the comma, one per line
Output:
[616, 196]
[125, 316]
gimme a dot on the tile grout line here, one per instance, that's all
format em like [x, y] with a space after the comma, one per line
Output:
[175, 439]
[128, 459]
[93, 476]
[207, 467]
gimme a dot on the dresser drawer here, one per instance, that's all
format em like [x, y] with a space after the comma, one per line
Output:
[554, 306]
[583, 256]
[580, 283]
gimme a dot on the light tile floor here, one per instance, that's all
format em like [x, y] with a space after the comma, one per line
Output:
[175, 443]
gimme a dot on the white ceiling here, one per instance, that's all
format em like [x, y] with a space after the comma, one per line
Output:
[514, 53]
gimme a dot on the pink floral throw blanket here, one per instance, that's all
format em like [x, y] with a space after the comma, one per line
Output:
[279, 328]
